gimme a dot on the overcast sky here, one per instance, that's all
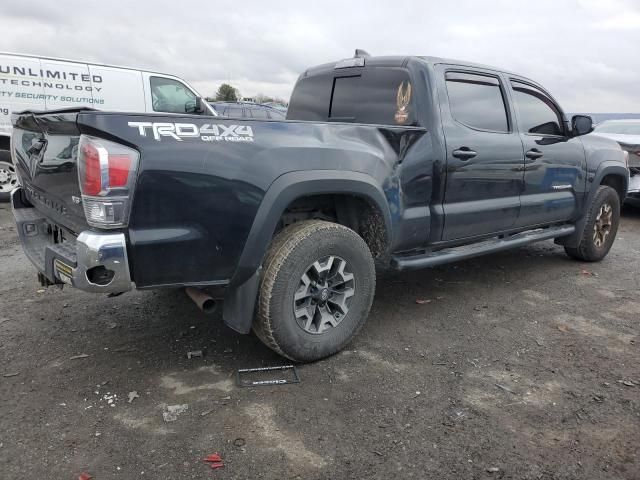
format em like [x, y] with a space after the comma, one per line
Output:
[585, 52]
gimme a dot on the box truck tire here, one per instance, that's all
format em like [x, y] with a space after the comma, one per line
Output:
[8, 176]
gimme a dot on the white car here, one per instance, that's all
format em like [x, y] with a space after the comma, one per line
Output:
[38, 83]
[627, 134]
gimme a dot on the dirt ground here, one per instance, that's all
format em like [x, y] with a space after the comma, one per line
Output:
[523, 365]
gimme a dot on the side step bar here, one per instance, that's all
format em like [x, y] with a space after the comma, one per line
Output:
[431, 259]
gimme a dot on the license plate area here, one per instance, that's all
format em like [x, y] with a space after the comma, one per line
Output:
[62, 271]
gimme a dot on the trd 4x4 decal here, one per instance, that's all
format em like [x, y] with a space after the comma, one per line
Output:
[208, 132]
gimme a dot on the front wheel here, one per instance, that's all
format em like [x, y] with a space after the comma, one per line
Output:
[601, 227]
[8, 176]
[317, 288]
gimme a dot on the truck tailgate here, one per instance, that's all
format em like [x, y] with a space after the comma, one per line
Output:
[45, 151]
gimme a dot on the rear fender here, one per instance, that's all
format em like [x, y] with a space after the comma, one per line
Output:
[243, 288]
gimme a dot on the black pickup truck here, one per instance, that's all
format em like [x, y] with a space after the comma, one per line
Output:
[403, 162]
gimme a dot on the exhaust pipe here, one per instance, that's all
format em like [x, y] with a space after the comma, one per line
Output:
[203, 300]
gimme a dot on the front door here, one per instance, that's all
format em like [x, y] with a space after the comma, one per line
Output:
[554, 161]
[484, 154]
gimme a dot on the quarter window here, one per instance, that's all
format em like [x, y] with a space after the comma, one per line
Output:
[171, 96]
[537, 114]
[477, 101]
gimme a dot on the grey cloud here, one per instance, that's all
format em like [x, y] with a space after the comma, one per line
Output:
[582, 50]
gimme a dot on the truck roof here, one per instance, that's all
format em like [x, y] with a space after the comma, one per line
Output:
[98, 64]
[401, 60]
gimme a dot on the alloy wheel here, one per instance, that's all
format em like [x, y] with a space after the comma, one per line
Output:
[324, 294]
[602, 226]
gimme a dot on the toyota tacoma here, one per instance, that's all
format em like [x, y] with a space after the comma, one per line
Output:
[398, 162]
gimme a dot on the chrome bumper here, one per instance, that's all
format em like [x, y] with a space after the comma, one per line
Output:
[633, 192]
[634, 184]
[93, 262]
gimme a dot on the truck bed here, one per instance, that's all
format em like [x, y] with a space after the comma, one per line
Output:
[200, 182]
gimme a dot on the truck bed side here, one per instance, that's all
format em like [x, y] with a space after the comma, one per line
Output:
[204, 192]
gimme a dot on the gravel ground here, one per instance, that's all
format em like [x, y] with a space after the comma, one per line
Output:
[521, 365]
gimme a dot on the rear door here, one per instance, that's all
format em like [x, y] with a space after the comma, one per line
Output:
[554, 161]
[484, 153]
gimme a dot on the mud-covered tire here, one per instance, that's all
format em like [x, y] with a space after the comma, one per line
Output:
[291, 254]
[6, 165]
[588, 250]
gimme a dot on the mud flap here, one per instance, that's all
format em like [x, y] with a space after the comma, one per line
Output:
[240, 302]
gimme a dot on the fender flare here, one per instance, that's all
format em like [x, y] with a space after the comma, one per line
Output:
[241, 294]
[608, 167]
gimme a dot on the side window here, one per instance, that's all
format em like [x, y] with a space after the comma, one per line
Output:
[477, 101]
[537, 114]
[171, 96]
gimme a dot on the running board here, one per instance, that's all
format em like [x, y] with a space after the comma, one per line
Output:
[431, 259]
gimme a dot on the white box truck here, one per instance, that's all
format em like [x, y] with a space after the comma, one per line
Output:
[38, 83]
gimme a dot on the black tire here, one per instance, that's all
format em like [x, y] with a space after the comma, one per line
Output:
[291, 256]
[5, 158]
[588, 250]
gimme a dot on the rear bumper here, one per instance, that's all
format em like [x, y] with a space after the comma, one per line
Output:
[93, 262]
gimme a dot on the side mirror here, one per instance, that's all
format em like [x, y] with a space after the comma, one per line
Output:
[581, 125]
[195, 106]
[200, 106]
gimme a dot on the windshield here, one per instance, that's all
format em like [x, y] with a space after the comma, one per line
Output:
[623, 128]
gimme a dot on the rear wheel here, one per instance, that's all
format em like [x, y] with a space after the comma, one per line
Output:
[8, 176]
[316, 291]
[600, 230]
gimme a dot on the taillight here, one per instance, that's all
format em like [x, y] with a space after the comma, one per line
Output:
[119, 168]
[106, 172]
[91, 181]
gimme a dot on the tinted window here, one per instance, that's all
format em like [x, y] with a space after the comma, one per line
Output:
[477, 101]
[379, 95]
[536, 112]
[345, 98]
[171, 96]
[311, 98]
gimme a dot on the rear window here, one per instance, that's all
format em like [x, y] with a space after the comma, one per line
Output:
[375, 95]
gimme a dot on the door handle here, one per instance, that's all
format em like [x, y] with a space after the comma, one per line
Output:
[464, 153]
[533, 154]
